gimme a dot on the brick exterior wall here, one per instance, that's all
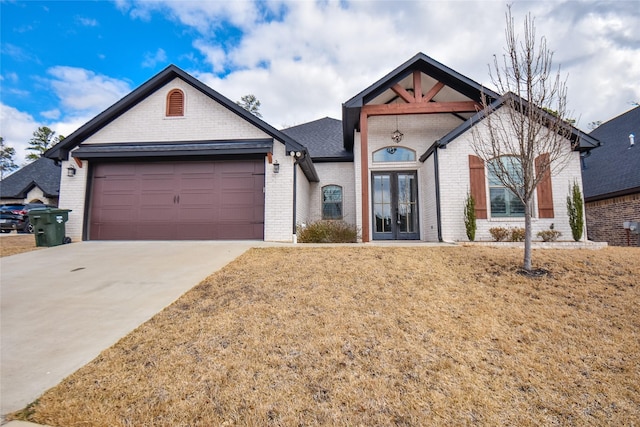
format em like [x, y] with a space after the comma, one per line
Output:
[278, 203]
[429, 223]
[341, 174]
[204, 119]
[419, 132]
[72, 196]
[605, 219]
[454, 184]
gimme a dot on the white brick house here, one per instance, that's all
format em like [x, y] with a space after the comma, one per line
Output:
[176, 160]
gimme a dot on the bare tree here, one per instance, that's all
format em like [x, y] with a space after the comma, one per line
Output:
[525, 134]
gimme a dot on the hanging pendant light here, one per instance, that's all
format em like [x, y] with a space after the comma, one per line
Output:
[396, 136]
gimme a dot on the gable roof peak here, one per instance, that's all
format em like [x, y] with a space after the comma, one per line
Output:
[419, 62]
[61, 150]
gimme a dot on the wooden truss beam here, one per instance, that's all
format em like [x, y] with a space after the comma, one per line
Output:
[417, 97]
[433, 92]
[422, 108]
[417, 86]
[402, 93]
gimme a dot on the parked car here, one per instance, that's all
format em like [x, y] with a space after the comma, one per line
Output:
[16, 217]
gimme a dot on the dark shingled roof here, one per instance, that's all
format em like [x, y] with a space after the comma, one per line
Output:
[614, 168]
[323, 138]
[42, 173]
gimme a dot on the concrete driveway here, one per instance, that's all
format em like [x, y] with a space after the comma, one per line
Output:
[61, 306]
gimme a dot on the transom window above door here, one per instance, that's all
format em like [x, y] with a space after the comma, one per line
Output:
[394, 154]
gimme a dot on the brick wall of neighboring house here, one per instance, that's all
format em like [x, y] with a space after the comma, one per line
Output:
[605, 219]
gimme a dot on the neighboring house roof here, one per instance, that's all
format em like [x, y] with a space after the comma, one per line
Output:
[582, 141]
[61, 150]
[420, 62]
[42, 173]
[323, 138]
[614, 169]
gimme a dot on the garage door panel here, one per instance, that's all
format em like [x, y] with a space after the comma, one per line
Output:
[199, 215]
[118, 199]
[178, 200]
[198, 198]
[207, 183]
[154, 231]
[123, 231]
[153, 214]
[114, 214]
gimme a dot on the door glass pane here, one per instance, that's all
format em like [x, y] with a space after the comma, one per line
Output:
[407, 204]
[382, 203]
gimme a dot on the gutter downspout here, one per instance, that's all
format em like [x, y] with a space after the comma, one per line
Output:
[436, 168]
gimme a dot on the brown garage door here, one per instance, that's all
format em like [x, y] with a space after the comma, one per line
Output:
[177, 201]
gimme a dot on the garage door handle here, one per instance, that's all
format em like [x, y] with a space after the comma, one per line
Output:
[176, 199]
[178, 196]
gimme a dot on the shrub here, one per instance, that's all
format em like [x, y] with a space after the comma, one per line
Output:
[574, 210]
[470, 217]
[517, 234]
[327, 232]
[549, 235]
[499, 233]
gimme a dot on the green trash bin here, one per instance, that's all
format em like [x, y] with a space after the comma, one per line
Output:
[49, 225]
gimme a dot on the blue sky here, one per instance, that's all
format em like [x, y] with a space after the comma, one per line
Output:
[63, 62]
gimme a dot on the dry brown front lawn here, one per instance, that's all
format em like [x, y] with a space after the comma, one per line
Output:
[12, 245]
[377, 336]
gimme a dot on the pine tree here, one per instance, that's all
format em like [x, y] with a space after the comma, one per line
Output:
[43, 139]
[6, 159]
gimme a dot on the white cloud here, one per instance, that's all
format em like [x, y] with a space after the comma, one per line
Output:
[201, 15]
[87, 22]
[313, 56]
[322, 53]
[83, 92]
[18, 127]
[17, 130]
[152, 59]
[11, 77]
[214, 56]
[51, 114]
